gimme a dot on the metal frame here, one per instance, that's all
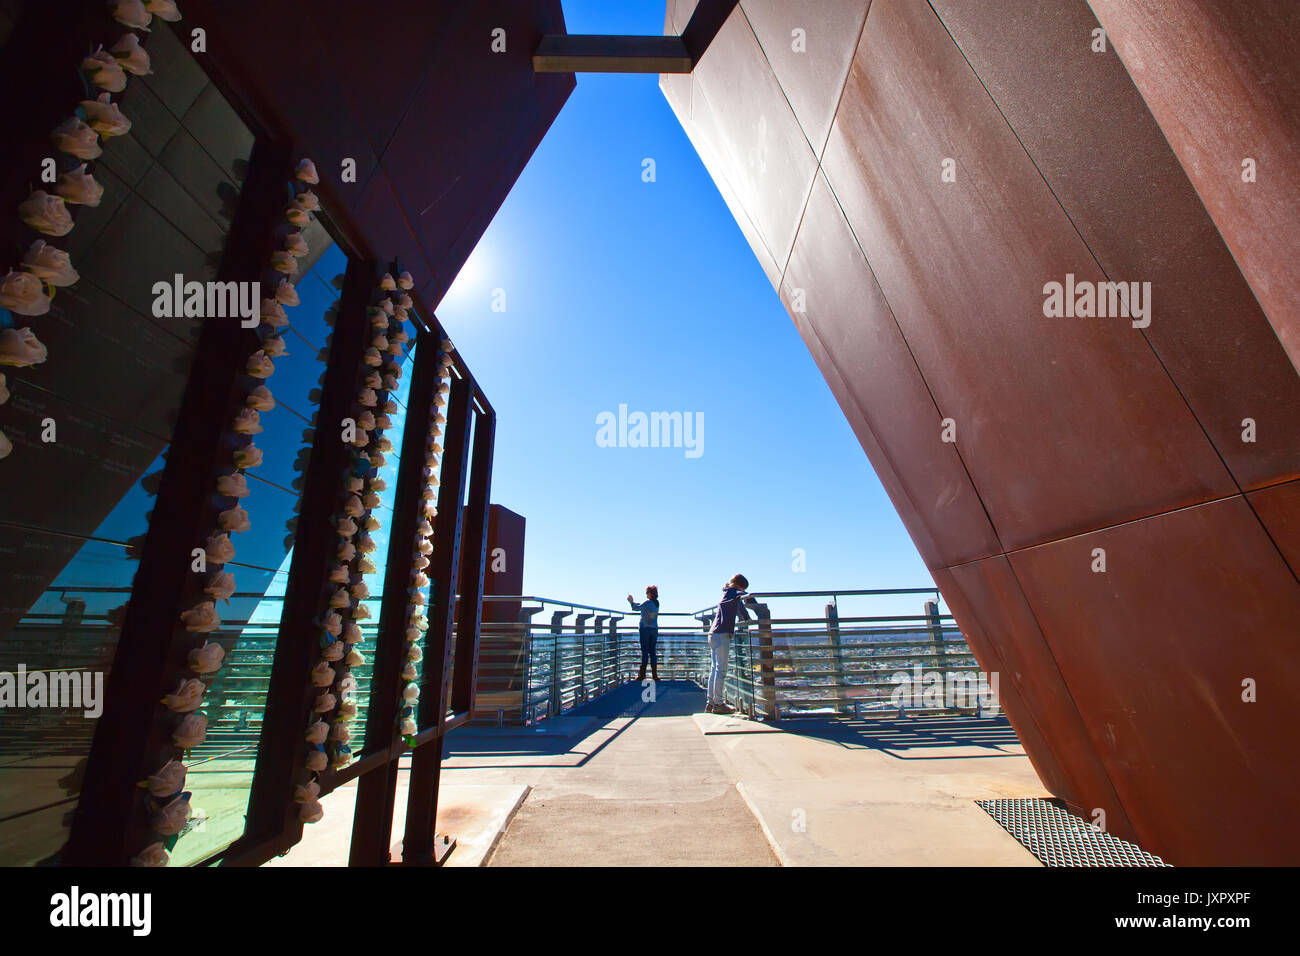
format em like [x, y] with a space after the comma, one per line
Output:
[372, 820]
[601, 53]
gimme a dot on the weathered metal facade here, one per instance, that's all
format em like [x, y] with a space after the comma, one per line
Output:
[911, 176]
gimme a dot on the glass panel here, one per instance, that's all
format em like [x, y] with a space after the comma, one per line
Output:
[397, 413]
[221, 769]
[90, 426]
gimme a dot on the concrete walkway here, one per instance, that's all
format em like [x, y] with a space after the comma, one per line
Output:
[883, 792]
[623, 782]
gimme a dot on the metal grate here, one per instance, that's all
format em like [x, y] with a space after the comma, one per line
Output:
[1059, 838]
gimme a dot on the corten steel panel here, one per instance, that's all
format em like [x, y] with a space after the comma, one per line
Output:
[1092, 137]
[1220, 77]
[383, 229]
[988, 599]
[1278, 508]
[697, 119]
[813, 77]
[1066, 425]
[472, 124]
[771, 163]
[273, 61]
[504, 572]
[1022, 717]
[848, 317]
[379, 84]
[1155, 651]
[677, 14]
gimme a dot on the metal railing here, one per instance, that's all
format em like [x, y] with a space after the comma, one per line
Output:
[541, 657]
[82, 636]
[832, 664]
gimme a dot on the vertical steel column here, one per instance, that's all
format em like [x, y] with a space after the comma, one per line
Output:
[426, 760]
[598, 628]
[473, 564]
[837, 655]
[611, 652]
[372, 820]
[526, 636]
[766, 663]
[281, 747]
[936, 631]
[580, 628]
[557, 662]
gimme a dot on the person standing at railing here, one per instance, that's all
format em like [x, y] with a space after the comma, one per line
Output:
[724, 625]
[648, 630]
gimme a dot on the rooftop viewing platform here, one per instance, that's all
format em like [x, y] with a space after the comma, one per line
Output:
[860, 739]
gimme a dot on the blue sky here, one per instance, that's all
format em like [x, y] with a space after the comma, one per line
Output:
[619, 291]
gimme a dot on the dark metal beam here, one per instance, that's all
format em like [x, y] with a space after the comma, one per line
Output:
[573, 53]
[705, 22]
[372, 820]
[600, 53]
[426, 761]
[473, 559]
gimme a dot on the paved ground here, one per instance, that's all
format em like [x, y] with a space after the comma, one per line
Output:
[883, 792]
[626, 782]
[637, 786]
[621, 782]
[476, 814]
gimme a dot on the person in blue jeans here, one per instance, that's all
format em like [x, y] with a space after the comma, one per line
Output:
[648, 630]
[724, 625]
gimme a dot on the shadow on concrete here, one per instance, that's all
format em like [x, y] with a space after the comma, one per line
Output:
[672, 699]
[897, 736]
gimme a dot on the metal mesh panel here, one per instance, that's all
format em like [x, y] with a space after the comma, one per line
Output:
[1059, 838]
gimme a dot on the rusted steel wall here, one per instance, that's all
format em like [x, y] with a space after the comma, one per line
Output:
[911, 180]
[1220, 77]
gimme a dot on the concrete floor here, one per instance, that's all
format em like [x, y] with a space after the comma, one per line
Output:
[475, 814]
[884, 792]
[624, 782]
[646, 789]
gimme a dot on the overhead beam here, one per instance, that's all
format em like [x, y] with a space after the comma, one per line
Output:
[595, 53]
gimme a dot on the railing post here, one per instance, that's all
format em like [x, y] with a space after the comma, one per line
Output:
[936, 639]
[767, 668]
[526, 712]
[580, 627]
[557, 659]
[838, 693]
[598, 629]
[614, 650]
